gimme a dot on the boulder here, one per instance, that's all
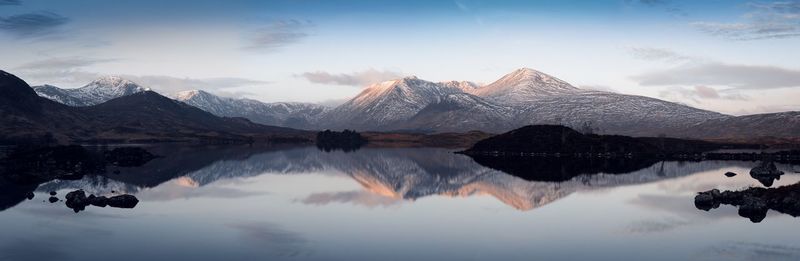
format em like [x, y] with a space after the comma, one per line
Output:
[77, 200]
[753, 208]
[705, 201]
[100, 201]
[730, 174]
[123, 201]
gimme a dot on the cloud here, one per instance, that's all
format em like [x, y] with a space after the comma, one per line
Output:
[773, 20]
[698, 93]
[668, 6]
[10, 2]
[753, 251]
[70, 72]
[362, 198]
[32, 25]
[656, 225]
[169, 85]
[657, 54]
[362, 78]
[272, 238]
[277, 34]
[721, 74]
[62, 63]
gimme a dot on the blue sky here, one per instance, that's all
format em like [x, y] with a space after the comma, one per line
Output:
[736, 57]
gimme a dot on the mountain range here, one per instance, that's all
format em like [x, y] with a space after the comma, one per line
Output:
[288, 114]
[144, 116]
[522, 97]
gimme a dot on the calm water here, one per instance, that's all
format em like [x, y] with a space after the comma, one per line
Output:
[392, 204]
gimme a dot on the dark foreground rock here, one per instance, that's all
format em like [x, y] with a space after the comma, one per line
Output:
[730, 174]
[766, 172]
[753, 203]
[78, 201]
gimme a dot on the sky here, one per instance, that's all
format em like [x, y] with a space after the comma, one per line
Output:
[735, 57]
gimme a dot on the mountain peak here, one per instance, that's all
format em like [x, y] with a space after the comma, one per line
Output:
[112, 81]
[524, 85]
[186, 95]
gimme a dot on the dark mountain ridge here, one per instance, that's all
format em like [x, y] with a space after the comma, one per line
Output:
[141, 117]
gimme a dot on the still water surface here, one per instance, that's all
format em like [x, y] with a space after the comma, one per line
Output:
[392, 204]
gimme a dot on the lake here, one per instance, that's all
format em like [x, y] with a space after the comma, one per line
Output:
[300, 203]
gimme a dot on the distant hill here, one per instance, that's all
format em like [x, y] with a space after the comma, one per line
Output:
[96, 92]
[286, 114]
[552, 139]
[140, 117]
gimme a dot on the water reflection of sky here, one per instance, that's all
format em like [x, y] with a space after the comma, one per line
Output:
[394, 204]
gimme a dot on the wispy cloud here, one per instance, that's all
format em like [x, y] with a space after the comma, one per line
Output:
[362, 78]
[277, 34]
[362, 198]
[752, 251]
[698, 93]
[169, 85]
[63, 63]
[668, 6]
[32, 25]
[10, 2]
[658, 54]
[272, 238]
[773, 20]
[721, 74]
[71, 72]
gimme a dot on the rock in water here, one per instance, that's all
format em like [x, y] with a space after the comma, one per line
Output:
[730, 174]
[77, 200]
[753, 208]
[100, 201]
[766, 168]
[766, 173]
[705, 201]
[53, 199]
[123, 201]
[754, 203]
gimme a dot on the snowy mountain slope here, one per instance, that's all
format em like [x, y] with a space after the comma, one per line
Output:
[522, 97]
[63, 96]
[285, 114]
[458, 112]
[614, 113]
[522, 86]
[96, 92]
[465, 86]
[781, 124]
[384, 105]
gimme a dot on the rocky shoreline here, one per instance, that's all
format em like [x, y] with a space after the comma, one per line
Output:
[753, 203]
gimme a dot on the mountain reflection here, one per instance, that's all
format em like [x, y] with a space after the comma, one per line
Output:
[387, 175]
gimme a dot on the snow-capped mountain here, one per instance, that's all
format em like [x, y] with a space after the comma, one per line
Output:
[286, 114]
[522, 97]
[522, 86]
[391, 105]
[96, 92]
